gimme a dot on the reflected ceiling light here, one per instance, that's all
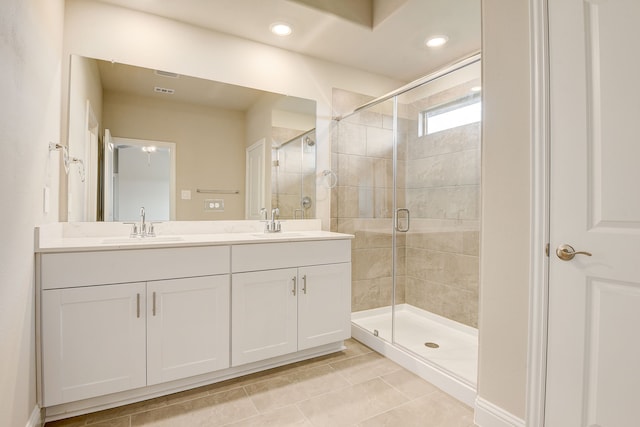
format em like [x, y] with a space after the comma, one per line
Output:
[436, 41]
[281, 29]
[149, 149]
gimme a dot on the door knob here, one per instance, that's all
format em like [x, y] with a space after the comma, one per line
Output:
[566, 252]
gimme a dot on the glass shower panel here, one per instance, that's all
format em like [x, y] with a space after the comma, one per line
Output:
[364, 207]
[438, 188]
[293, 180]
[286, 178]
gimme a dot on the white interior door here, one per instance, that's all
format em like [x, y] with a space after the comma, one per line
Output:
[108, 176]
[593, 372]
[255, 180]
[91, 165]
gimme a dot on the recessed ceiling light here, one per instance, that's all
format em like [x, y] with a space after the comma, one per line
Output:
[436, 41]
[476, 89]
[281, 28]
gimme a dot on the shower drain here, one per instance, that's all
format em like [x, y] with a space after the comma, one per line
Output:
[431, 345]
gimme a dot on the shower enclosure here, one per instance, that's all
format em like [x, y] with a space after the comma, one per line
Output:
[408, 168]
[293, 179]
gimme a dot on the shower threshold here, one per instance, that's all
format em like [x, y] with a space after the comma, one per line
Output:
[437, 349]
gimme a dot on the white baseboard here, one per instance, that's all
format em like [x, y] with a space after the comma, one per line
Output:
[35, 420]
[489, 415]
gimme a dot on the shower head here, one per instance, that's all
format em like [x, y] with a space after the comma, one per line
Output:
[310, 142]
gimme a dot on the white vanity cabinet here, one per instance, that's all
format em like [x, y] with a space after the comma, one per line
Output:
[324, 304]
[93, 341]
[122, 324]
[101, 338]
[264, 315]
[305, 304]
[187, 327]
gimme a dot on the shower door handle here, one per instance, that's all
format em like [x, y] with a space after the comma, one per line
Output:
[397, 222]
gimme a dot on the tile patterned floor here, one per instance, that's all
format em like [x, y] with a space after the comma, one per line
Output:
[355, 387]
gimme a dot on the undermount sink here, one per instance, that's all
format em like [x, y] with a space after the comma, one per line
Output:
[141, 240]
[278, 234]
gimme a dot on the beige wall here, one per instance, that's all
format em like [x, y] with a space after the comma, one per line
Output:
[209, 142]
[505, 245]
[31, 51]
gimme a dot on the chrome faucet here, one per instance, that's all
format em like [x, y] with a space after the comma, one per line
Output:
[273, 226]
[140, 228]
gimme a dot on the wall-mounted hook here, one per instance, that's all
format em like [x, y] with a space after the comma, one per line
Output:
[54, 146]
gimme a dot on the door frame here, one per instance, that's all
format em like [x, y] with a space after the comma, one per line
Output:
[172, 146]
[539, 227]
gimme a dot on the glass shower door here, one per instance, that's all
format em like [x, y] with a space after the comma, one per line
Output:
[364, 207]
[437, 220]
[409, 190]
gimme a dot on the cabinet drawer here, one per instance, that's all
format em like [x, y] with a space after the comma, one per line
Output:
[71, 269]
[268, 256]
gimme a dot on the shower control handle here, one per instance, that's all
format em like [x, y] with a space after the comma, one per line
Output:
[397, 220]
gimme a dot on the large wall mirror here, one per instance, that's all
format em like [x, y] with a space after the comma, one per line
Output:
[180, 147]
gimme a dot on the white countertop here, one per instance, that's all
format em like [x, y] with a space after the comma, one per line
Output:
[65, 237]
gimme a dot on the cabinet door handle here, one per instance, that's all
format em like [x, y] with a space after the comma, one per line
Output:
[293, 291]
[153, 307]
[304, 284]
[138, 305]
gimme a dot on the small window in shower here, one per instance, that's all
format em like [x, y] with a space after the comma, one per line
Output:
[451, 115]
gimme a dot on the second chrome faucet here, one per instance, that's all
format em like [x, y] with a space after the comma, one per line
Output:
[272, 226]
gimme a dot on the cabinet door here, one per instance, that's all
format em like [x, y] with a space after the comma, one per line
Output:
[93, 341]
[324, 304]
[187, 327]
[264, 318]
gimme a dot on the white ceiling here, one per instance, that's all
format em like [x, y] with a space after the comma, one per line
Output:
[394, 48]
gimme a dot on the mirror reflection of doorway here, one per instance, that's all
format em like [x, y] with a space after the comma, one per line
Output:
[139, 173]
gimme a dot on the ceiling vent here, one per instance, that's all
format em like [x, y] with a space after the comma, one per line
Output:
[164, 90]
[167, 74]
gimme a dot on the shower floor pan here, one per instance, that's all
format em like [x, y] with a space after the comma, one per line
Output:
[449, 345]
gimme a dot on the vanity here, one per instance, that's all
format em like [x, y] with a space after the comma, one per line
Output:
[123, 319]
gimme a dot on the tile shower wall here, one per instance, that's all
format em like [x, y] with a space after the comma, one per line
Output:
[438, 180]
